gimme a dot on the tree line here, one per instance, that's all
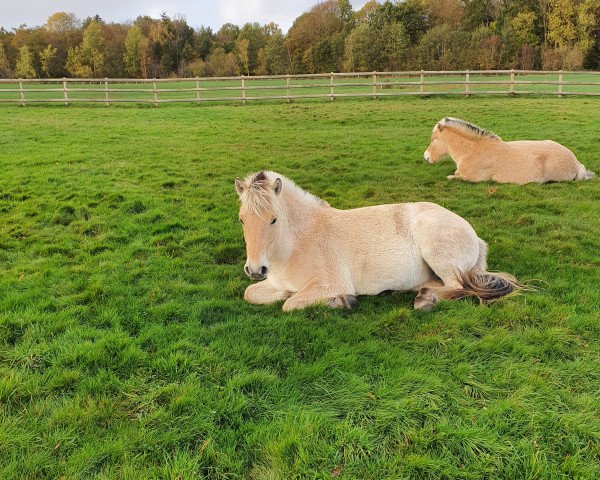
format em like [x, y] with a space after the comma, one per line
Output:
[330, 37]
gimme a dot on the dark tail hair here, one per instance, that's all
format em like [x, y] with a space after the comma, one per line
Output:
[487, 286]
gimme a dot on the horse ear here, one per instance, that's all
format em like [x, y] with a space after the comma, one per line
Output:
[277, 186]
[239, 186]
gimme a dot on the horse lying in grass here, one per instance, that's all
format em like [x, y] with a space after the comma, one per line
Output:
[305, 252]
[481, 155]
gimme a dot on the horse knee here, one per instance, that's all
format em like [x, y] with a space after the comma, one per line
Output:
[250, 294]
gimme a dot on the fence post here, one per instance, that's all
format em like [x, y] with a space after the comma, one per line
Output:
[421, 83]
[22, 93]
[244, 90]
[198, 90]
[331, 87]
[467, 80]
[287, 87]
[65, 91]
[154, 92]
[512, 82]
[374, 85]
[560, 83]
[106, 101]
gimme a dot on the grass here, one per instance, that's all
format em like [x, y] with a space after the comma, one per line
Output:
[230, 89]
[127, 351]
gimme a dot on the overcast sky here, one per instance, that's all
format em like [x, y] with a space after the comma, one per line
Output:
[197, 12]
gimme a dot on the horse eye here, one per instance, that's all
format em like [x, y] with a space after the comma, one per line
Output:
[241, 221]
[274, 220]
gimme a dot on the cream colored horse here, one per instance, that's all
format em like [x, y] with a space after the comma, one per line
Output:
[481, 155]
[305, 252]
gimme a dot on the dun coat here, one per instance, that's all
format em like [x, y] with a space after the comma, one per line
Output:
[304, 252]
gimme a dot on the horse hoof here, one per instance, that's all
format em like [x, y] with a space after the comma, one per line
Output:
[424, 306]
[425, 300]
[342, 301]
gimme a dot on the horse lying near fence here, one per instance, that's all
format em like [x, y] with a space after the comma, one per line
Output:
[481, 155]
[305, 252]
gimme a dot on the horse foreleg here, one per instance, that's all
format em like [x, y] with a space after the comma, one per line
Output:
[263, 293]
[316, 292]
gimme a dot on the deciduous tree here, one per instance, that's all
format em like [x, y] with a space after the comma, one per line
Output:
[24, 67]
[4, 65]
[47, 57]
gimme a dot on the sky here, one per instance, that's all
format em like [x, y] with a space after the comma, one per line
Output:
[197, 12]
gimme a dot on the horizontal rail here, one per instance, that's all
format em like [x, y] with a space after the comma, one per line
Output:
[338, 85]
[304, 75]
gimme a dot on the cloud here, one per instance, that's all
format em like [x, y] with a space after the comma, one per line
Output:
[263, 11]
[196, 12]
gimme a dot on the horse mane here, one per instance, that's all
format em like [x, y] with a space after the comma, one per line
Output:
[469, 128]
[260, 198]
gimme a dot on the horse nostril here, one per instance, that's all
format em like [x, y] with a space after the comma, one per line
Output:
[263, 270]
[246, 270]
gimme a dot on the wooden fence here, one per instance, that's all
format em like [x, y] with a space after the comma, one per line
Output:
[291, 87]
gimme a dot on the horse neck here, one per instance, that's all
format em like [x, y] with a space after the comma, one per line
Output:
[460, 145]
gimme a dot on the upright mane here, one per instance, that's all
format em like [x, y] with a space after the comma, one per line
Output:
[469, 128]
[260, 198]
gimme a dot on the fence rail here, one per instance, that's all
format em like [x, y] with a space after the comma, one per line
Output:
[284, 87]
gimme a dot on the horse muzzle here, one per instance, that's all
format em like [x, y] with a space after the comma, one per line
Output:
[259, 275]
[427, 157]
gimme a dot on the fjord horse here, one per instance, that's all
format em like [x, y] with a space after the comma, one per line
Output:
[304, 252]
[481, 155]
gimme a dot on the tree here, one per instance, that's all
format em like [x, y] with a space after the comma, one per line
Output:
[92, 46]
[76, 64]
[479, 13]
[276, 55]
[311, 35]
[411, 13]
[4, 65]
[62, 22]
[588, 19]
[226, 37]
[242, 47]
[87, 59]
[134, 58]
[47, 57]
[347, 16]
[251, 39]
[523, 26]
[562, 30]
[443, 48]
[445, 12]
[222, 64]
[24, 67]
[204, 41]
[372, 46]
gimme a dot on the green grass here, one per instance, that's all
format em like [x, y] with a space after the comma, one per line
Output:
[229, 89]
[127, 351]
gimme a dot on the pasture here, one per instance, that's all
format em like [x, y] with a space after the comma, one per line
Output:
[127, 351]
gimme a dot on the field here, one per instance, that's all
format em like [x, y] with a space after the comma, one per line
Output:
[127, 351]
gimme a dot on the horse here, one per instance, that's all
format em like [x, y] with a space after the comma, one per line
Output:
[302, 251]
[481, 155]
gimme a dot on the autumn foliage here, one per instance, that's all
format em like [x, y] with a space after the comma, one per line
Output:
[401, 35]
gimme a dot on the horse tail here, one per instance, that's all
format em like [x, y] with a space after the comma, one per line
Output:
[487, 286]
[583, 173]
